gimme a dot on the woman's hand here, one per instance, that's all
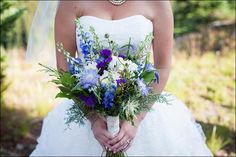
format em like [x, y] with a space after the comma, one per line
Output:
[99, 128]
[122, 141]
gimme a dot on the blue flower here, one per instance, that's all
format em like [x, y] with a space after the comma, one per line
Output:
[142, 87]
[132, 49]
[108, 98]
[84, 48]
[78, 61]
[87, 35]
[91, 42]
[150, 67]
[157, 75]
[89, 78]
[72, 68]
[86, 43]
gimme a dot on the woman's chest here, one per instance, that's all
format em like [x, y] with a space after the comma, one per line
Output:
[108, 11]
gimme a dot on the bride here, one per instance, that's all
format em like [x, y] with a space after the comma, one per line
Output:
[168, 130]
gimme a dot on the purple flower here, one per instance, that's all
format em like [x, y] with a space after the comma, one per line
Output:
[120, 81]
[122, 55]
[89, 78]
[101, 64]
[142, 87]
[106, 53]
[89, 101]
[103, 61]
[108, 60]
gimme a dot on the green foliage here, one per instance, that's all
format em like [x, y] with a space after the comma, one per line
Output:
[118, 154]
[215, 142]
[75, 114]
[9, 15]
[148, 76]
[97, 43]
[132, 104]
[3, 84]
[190, 16]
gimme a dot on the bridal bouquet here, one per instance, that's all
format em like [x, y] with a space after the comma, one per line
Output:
[107, 79]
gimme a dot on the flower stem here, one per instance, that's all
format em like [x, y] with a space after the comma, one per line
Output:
[118, 154]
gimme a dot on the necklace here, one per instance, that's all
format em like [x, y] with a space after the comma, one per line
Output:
[117, 2]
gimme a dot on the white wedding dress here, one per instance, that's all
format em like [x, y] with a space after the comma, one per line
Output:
[167, 130]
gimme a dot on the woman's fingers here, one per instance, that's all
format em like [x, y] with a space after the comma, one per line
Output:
[103, 143]
[117, 138]
[121, 144]
[108, 134]
[106, 140]
[126, 147]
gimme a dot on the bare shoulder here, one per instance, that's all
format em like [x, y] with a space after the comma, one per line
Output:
[67, 8]
[160, 9]
[160, 4]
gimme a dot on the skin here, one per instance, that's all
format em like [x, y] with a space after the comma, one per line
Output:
[159, 12]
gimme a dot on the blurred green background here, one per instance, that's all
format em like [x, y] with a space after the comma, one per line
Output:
[203, 74]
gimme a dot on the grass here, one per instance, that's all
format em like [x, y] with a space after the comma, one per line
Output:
[206, 84]
[28, 87]
[215, 142]
[27, 100]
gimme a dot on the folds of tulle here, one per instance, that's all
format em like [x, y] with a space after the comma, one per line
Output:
[168, 129]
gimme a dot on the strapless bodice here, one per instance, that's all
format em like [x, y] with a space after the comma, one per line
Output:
[135, 27]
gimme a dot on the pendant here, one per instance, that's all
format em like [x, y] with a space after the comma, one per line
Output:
[117, 2]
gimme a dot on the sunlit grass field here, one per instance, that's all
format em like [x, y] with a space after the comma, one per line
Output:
[206, 84]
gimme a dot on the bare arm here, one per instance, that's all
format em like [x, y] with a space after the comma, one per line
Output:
[65, 32]
[162, 44]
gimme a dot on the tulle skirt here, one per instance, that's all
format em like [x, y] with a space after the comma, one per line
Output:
[167, 130]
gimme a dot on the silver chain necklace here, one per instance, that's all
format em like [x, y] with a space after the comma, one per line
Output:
[117, 2]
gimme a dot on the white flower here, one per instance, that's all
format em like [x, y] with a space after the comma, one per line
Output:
[105, 74]
[91, 65]
[131, 66]
[105, 77]
[115, 75]
[116, 64]
[130, 109]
